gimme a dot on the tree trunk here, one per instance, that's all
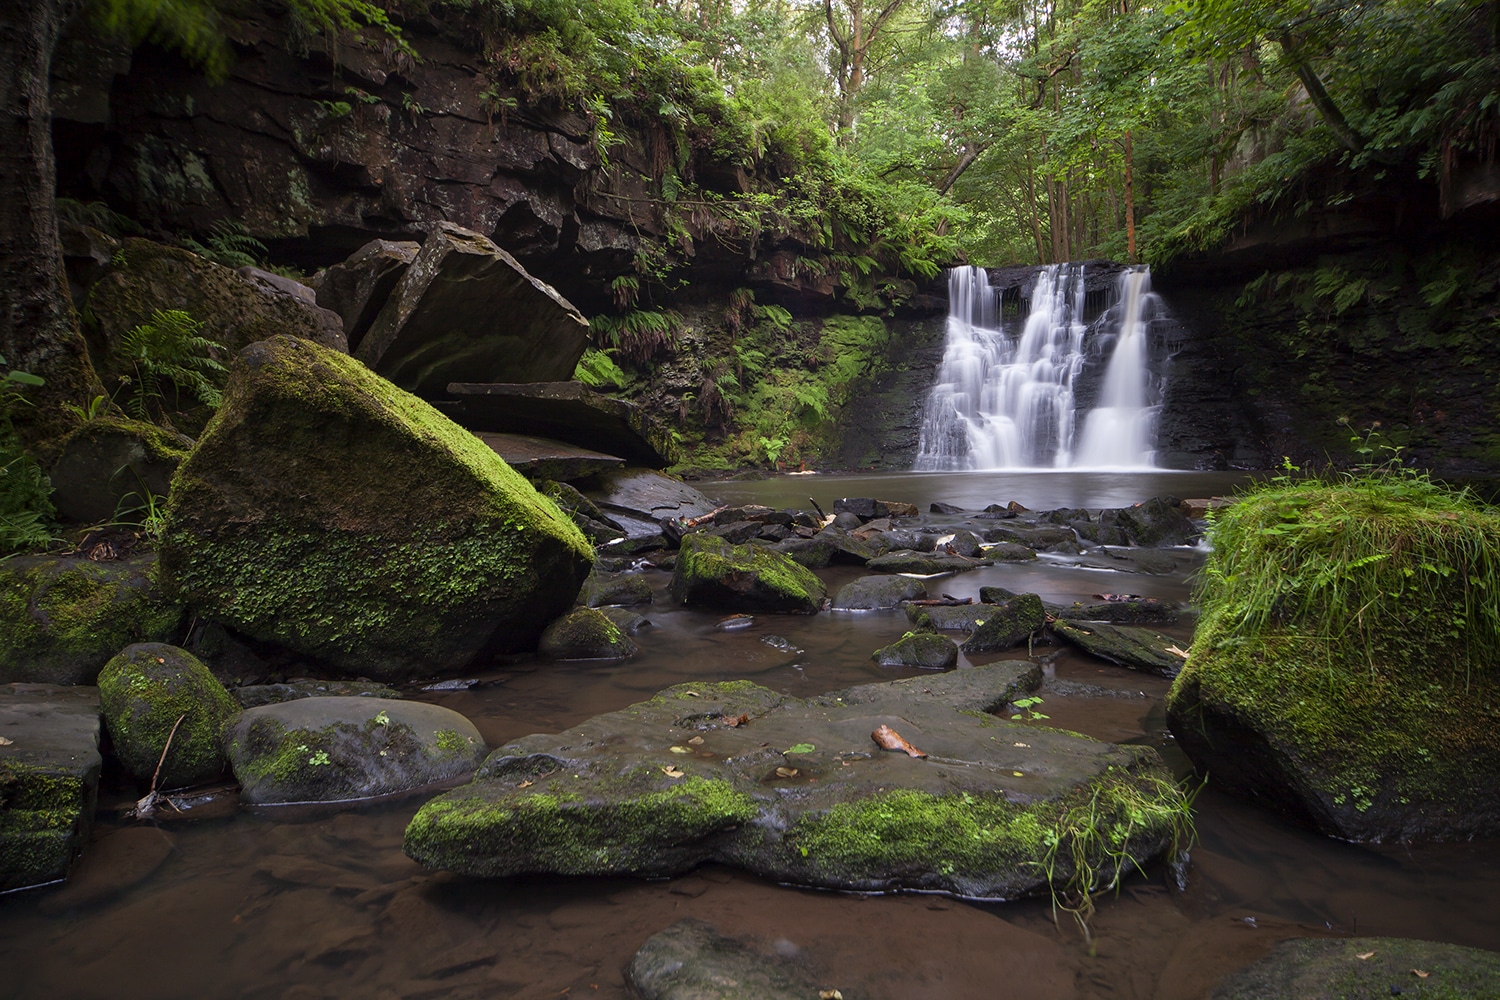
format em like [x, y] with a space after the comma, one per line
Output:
[1129, 199]
[38, 327]
[1332, 116]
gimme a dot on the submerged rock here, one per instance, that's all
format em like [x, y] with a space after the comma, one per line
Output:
[1006, 625]
[144, 692]
[466, 311]
[1366, 968]
[714, 573]
[62, 618]
[328, 512]
[336, 749]
[585, 634]
[878, 593]
[49, 779]
[625, 589]
[798, 791]
[692, 961]
[1136, 648]
[926, 650]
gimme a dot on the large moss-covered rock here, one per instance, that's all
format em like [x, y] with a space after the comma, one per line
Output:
[233, 309]
[712, 572]
[1367, 968]
[49, 779]
[62, 618]
[798, 791]
[1344, 667]
[144, 692]
[340, 748]
[325, 510]
[926, 650]
[111, 466]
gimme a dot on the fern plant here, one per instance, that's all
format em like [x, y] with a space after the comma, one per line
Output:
[171, 349]
[26, 509]
[230, 245]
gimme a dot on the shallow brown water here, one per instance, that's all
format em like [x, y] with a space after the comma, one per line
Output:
[283, 904]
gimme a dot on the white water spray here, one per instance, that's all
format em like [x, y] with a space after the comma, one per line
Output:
[1003, 403]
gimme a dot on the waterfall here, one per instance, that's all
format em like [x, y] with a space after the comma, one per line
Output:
[1008, 402]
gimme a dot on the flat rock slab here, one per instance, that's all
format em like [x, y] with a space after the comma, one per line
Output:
[1136, 648]
[1372, 968]
[638, 499]
[543, 458]
[567, 411]
[466, 308]
[692, 961]
[49, 779]
[797, 791]
[339, 749]
[255, 695]
[924, 563]
[878, 593]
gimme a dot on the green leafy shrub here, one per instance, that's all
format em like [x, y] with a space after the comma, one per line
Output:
[171, 350]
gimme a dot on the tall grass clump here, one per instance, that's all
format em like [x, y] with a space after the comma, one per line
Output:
[1379, 569]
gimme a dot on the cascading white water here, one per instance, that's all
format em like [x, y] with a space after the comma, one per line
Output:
[1003, 403]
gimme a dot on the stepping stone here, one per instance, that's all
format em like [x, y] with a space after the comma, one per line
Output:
[798, 791]
[49, 779]
[1136, 648]
[543, 458]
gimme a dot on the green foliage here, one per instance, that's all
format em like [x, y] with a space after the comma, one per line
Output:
[230, 245]
[26, 510]
[598, 370]
[639, 335]
[170, 350]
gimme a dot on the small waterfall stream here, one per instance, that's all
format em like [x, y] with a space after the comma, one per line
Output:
[1006, 400]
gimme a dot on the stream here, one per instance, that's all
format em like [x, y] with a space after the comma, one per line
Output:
[292, 903]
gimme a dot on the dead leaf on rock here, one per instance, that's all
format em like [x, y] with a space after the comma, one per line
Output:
[526, 784]
[1027, 745]
[696, 741]
[830, 995]
[786, 772]
[1177, 652]
[5, 742]
[679, 749]
[1364, 955]
[673, 772]
[692, 694]
[888, 739]
[738, 720]
[1420, 974]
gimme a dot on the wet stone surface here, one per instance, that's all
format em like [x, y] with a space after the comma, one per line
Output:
[793, 789]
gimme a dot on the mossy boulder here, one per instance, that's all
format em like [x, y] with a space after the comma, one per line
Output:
[143, 692]
[49, 779]
[926, 650]
[1344, 667]
[585, 634]
[1124, 645]
[798, 792]
[1156, 522]
[327, 511]
[713, 573]
[1366, 968]
[1006, 625]
[878, 593]
[337, 749]
[234, 310]
[62, 618]
[113, 465]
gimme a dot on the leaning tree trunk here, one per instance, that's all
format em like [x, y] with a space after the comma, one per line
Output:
[38, 327]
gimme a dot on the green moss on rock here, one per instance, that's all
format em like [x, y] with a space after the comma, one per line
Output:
[330, 512]
[1343, 668]
[143, 692]
[585, 634]
[639, 830]
[62, 618]
[710, 571]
